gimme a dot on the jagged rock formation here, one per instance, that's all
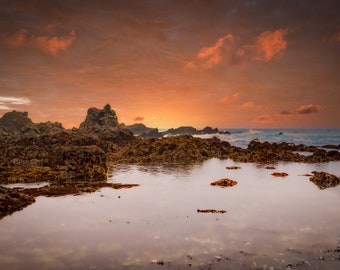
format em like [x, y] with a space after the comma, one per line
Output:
[147, 132]
[18, 124]
[104, 124]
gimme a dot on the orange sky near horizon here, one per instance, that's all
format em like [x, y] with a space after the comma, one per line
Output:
[170, 63]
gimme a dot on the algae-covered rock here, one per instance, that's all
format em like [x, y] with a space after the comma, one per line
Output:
[183, 149]
[324, 180]
[12, 200]
[79, 163]
[279, 174]
[224, 182]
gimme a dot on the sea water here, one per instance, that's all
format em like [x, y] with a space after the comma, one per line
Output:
[317, 137]
[270, 222]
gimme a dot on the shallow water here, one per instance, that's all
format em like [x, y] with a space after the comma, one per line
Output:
[270, 221]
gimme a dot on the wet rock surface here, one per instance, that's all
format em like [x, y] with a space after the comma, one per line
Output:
[225, 182]
[279, 174]
[324, 180]
[13, 200]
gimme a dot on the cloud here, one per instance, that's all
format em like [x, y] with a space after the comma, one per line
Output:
[335, 37]
[270, 45]
[265, 118]
[6, 102]
[267, 46]
[208, 57]
[247, 104]
[54, 44]
[227, 98]
[304, 109]
[307, 109]
[139, 118]
[285, 112]
[51, 45]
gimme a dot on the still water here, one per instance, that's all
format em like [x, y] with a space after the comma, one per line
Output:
[270, 223]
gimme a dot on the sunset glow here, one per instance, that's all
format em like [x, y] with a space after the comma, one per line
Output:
[167, 63]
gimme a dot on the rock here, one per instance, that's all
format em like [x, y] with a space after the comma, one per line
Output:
[279, 174]
[183, 149]
[79, 163]
[12, 200]
[208, 130]
[211, 211]
[104, 124]
[225, 182]
[184, 130]
[144, 131]
[324, 180]
[233, 168]
[17, 124]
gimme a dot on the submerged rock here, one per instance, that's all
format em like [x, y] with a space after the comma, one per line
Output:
[279, 174]
[211, 211]
[324, 180]
[225, 182]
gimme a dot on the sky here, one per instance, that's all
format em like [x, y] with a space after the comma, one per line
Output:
[171, 63]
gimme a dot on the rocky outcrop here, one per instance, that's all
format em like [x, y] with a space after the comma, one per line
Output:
[78, 163]
[182, 149]
[104, 124]
[324, 180]
[147, 132]
[17, 124]
[143, 131]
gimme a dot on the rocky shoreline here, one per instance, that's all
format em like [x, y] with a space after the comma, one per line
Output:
[36, 152]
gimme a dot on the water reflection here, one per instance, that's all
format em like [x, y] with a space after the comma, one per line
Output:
[269, 221]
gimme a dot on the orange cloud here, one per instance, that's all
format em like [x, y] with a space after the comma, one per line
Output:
[265, 118]
[48, 44]
[270, 45]
[247, 104]
[335, 37]
[54, 44]
[227, 98]
[139, 118]
[18, 39]
[210, 56]
[304, 109]
[307, 109]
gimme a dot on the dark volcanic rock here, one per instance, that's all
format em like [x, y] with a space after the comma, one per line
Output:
[17, 124]
[186, 130]
[324, 180]
[104, 124]
[79, 163]
[144, 131]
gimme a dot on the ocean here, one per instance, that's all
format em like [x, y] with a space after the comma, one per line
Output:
[316, 137]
